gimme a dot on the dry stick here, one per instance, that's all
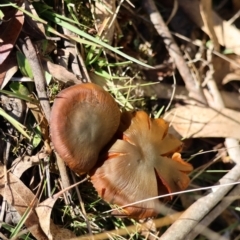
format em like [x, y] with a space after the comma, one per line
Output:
[231, 144]
[232, 196]
[40, 83]
[4, 201]
[164, 221]
[65, 178]
[39, 79]
[208, 233]
[165, 91]
[193, 87]
[189, 219]
[194, 214]
[84, 213]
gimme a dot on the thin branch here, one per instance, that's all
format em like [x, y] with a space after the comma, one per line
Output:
[194, 88]
[39, 79]
[196, 212]
[232, 196]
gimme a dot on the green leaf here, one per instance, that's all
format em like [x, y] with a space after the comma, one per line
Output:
[24, 65]
[17, 95]
[37, 137]
[48, 77]
[15, 123]
[19, 88]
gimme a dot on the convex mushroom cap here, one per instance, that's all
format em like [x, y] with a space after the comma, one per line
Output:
[141, 165]
[84, 118]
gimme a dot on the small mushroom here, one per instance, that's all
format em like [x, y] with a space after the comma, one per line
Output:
[84, 118]
[145, 163]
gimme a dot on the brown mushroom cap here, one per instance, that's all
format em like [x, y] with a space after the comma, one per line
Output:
[142, 165]
[84, 118]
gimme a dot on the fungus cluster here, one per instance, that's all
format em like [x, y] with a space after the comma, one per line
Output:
[129, 156]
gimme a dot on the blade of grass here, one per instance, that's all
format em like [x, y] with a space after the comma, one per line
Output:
[20, 96]
[57, 20]
[20, 223]
[15, 123]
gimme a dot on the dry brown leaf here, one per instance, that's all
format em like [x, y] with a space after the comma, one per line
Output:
[59, 72]
[44, 210]
[7, 69]
[227, 35]
[196, 122]
[21, 164]
[20, 197]
[9, 31]
[226, 71]
[61, 233]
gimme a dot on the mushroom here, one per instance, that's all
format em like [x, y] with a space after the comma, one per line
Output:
[145, 163]
[84, 118]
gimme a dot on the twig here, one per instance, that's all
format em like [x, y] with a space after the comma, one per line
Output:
[40, 84]
[189, 220]
[194, 88]
[82, 206]
[232, 196]
[39, 79]
[63, 172]
[4, 201]
[131, 229]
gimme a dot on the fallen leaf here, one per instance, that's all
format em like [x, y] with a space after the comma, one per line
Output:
[44, 211]
[196, 122]
[9, 31]
[21, 198]
[7, 69]
[21, 164]
[227, 35]
[59, 72]
[60, 233]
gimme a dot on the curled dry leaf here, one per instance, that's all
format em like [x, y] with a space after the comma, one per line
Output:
[44, 211]
[22, 199]
[145, 163]
[196, 122]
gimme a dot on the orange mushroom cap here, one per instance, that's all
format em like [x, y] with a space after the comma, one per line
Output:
[142, 165]
[84, 118]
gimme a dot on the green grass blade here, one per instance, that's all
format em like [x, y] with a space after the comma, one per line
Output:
[57, 20]
[20, 96]
[15, 123]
